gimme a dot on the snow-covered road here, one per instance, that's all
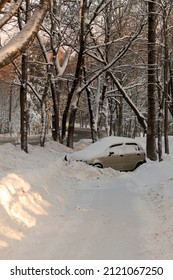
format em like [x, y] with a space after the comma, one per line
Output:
[100, 220]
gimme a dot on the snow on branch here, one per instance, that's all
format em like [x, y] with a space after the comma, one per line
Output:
[61, 69]
[20, 42]
[10, 14]
[118, 56]
[3, 2]
[139, 115]
[100, 7]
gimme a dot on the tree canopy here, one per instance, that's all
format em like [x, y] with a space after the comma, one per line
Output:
[103, 63]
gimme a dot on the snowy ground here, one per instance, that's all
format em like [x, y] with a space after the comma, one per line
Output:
[50, 209]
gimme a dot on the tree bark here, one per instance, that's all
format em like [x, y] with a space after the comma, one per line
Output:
[43, 109]
[166, 66]
[171, 85]
[160, 119]
[151, 128]
[91, 117]
[55, 117]
[23, 105]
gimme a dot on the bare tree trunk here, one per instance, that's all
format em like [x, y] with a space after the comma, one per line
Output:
[96, 109]
[160, 110]
[71, 127]
[10, 111]
[166, 65]
[120, 117]
[72, 117]
[55, 117]
[91, 115]
[151, 129]
[23, 105]
[111, 116]
[170, 88]
[77, 80]
[160, 120]
[101, 104]
[93, 132]
[43, 109]
[171, 85]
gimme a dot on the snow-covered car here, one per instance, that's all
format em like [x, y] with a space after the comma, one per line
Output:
[119, 153]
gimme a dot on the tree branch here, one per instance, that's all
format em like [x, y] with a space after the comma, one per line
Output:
[19, 43]
[139, 115]
[3, 2]
[10, 13]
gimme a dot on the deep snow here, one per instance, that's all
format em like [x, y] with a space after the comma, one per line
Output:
[51, 209]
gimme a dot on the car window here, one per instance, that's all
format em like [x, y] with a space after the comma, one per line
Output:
[131, 147]
[117, 149]
[131, 144]
[116, 145]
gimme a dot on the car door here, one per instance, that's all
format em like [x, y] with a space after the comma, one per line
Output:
[132, 155]
[114, 158]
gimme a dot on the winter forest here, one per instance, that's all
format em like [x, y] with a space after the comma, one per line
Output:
[102, 64]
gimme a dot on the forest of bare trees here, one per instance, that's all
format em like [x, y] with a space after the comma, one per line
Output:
[102, 64]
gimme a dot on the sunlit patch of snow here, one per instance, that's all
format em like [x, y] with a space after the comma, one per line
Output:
[20, 203]
[11, 233]
[3, 244]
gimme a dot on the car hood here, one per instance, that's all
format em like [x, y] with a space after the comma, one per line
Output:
[87, 153]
